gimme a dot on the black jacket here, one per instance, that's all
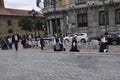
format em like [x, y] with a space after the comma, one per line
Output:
[13, 38]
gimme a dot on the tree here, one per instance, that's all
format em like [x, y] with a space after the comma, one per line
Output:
[25, 23]
[39, 25]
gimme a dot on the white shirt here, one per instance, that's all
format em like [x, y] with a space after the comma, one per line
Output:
[10, 40]
[103, 40]
[16, 38]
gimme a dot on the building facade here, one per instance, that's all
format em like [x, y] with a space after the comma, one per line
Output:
[91, 16]
[9, 19]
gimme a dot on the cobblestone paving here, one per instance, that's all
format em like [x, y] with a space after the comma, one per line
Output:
[36, 65]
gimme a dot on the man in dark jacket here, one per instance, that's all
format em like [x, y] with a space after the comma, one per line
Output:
[15, 39]
[42, 43]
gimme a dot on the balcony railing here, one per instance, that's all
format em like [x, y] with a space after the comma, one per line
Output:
[51, 8]
[77, 2]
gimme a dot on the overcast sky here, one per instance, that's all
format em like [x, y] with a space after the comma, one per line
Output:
[21, 4]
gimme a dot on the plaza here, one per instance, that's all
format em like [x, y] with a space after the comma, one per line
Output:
[34, 64]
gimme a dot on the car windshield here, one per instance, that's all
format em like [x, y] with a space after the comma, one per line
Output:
[80, 34]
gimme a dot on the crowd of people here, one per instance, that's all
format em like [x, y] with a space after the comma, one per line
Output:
[8, 41]
[58, 42]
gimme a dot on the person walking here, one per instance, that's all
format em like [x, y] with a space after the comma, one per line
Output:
[23, 41]
[15, 39]
[42, 43]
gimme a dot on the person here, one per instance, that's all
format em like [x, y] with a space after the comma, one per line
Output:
[9, 39]
[23, 42]
[103, 43]
[42, 43]
[57, 46]
[15, 39]
[61, 42]
[30, 41]
[3, 42]
[74, 44]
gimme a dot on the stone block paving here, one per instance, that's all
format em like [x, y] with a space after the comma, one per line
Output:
[34, 64]
[112, 50]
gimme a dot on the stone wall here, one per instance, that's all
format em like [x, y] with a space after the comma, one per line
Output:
[4, 26]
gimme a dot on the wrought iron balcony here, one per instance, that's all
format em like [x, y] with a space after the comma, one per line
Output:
[77, 2]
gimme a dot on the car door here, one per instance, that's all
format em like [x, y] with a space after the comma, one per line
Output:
[79, 36]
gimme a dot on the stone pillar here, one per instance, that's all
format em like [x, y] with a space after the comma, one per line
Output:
[62, 26]
[93, 22]
[48, 26]
[51, 30]
[112, 27]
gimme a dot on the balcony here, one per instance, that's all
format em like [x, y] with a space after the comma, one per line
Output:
[51, 8]
[78, 2]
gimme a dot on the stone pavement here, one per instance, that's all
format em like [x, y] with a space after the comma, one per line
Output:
[34, 64]
[112, 50]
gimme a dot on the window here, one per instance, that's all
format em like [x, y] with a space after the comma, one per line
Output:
[103, 18]
[117, 16]
[9, 22]
[56, 27]
[80, 2]
[82, 20]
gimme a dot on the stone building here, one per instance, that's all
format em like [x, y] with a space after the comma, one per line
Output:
[9, 19]
[91, 16]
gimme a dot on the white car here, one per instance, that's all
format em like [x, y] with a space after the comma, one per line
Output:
[48, 37]
[81, 37]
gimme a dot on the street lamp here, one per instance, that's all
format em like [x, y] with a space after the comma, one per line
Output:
[55, 16]
[106, 7]
[33, 13]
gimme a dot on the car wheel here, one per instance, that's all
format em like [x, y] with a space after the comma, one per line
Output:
[114, 42]
[83, 41]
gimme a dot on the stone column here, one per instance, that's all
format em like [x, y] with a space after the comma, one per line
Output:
[93, 22]
[112, 27]
[51, 30]
[62, 26]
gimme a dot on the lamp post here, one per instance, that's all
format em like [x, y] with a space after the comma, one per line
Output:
[55, 16]
[33, 13]
[106, 7]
